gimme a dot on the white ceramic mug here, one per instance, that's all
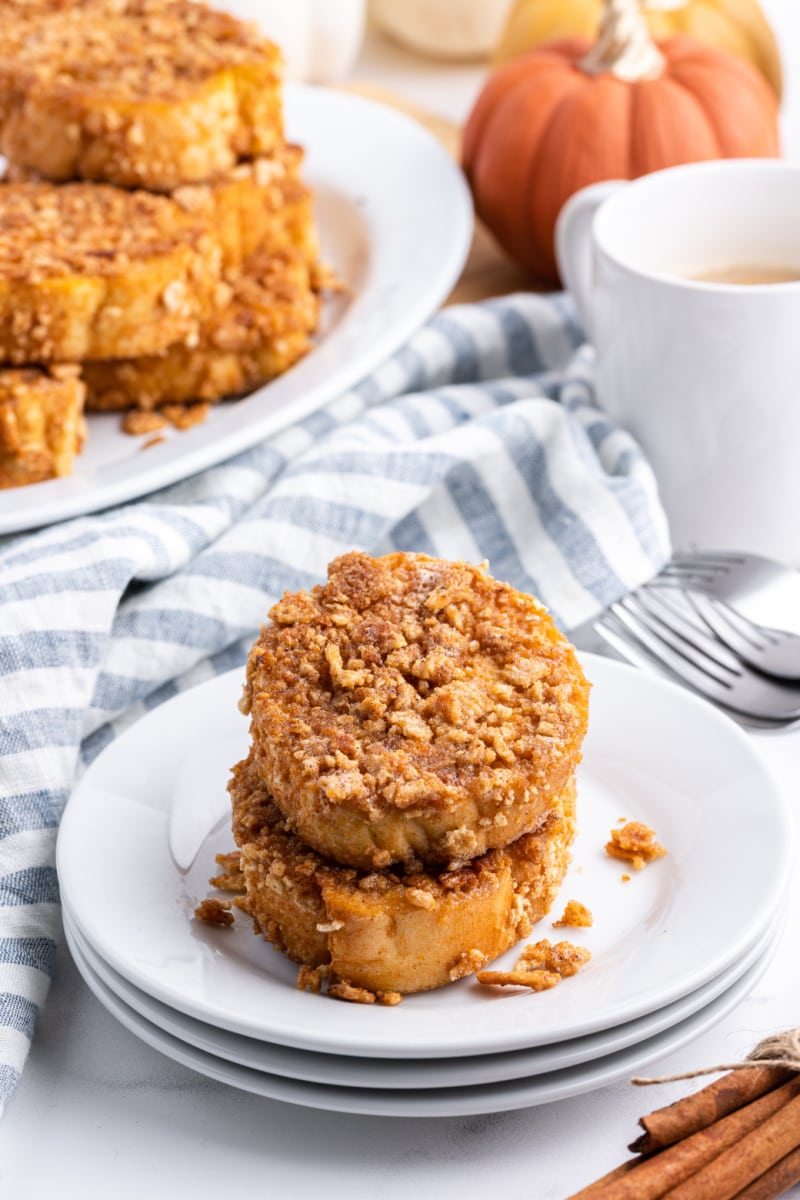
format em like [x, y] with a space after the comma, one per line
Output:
[705, 375]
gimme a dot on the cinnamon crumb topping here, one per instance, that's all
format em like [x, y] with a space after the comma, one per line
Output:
[139, 422]
[634, 843]
[575, 915]
[540, 966]
[48, 231]
[215, 912]
[132, 49]
[418, 696]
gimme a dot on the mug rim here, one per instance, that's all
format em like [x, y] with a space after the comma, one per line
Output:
[652, 179]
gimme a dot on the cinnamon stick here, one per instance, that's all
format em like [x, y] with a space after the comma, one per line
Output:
[653, 1177]
[676, 1121]
[751, 1157]
[775, 1181]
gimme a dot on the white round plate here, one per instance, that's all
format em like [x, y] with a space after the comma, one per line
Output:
[428, 1102]
[395, 219]
[343, 1071]
[137, 843]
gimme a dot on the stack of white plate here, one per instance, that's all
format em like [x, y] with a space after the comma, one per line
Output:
[674, 949]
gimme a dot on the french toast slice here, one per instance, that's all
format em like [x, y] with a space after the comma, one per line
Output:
[386, 931]
[413, 710]
[259, 204]
[41, 423]
[141, 93]
[264, 326]
[91, 271]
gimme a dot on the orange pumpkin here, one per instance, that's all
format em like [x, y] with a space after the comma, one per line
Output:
[572, 113]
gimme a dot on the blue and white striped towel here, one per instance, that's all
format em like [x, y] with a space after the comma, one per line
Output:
[479, 439]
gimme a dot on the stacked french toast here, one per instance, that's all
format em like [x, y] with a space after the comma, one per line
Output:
[407, 807]
[157, 246]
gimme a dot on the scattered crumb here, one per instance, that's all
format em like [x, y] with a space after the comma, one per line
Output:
[575, 915]
[625, 878]
[233, 882]
[563, 957]
[342, 990]
[153, 441]
[538, 981]
[138, 422]
[635, 843]
[215, 912]
[230, 861]
[540, 966]
[230, 878]
[389, 999]
[309, 979]
[621, 820]
[184, 416]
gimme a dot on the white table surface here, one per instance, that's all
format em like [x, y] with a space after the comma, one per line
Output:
[98, 1113]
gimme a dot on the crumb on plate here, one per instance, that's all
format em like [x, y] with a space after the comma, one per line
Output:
[575, 915]
[540, 966]
[634, 843]
[215, 912]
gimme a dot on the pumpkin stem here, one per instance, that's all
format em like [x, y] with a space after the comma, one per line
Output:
[624, 46]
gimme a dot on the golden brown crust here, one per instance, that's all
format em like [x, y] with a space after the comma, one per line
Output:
[413, 710]
[89, 271]
[257, 206]
[264, 328]
[41, 423]
[141, 93]
[385, 931]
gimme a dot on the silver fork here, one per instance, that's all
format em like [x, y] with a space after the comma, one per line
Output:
[669, 636]
[771, 651]
[614, 639]
[764, 592]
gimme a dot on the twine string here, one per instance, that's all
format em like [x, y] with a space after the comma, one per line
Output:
[778, 1050]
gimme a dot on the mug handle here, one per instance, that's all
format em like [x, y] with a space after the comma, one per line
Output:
[574, 248]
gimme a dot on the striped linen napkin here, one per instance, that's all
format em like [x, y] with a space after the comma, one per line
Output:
[478, 440]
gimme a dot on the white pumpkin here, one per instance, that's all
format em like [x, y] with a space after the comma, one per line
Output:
[455, 29]
[320, 39]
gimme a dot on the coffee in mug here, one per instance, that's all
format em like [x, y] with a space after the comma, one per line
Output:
[744, 274]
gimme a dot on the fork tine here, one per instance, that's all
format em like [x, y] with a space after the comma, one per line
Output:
[676, 603]
[742, 637]
[628, 646]
[758, 635]
[672, 576]
[702, 650]
[710, 558]
[661, 649]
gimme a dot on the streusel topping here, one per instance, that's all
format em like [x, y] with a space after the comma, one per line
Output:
[93, 229]
[137, 49]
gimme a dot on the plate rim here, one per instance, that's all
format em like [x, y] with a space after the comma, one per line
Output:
[661, 1020]
[384, 1042]
[51, 502]
[473, 1100]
